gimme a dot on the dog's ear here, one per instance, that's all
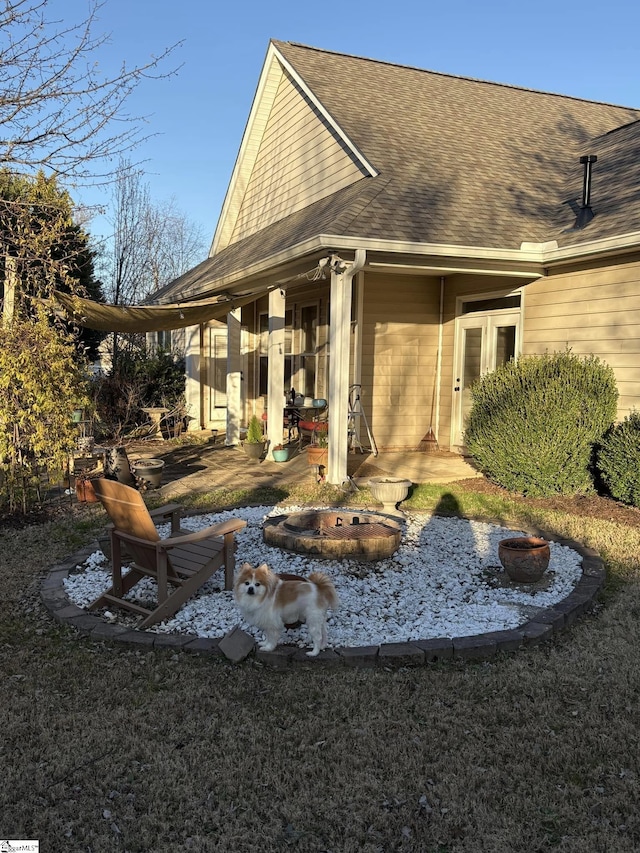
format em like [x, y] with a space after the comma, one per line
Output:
[266, 576]
[245, 569]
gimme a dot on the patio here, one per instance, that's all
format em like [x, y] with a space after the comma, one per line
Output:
[201, 467]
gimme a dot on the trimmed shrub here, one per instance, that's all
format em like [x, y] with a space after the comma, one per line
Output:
[619, 460]
[254, 431]
[534, 422]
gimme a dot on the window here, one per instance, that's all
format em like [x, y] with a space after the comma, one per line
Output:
[164, 340]
[302, 350]
[495, 303]
[263, 347]
[308, 350]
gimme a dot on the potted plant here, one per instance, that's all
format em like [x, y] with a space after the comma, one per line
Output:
[253, 443]
[280, 453]
[318, 452]
[85, 492]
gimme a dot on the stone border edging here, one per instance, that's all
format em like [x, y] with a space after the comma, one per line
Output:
[545, 624]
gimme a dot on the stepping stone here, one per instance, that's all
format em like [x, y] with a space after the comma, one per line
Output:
[236, 645]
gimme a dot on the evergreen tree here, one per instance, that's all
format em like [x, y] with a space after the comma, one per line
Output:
[43, 248]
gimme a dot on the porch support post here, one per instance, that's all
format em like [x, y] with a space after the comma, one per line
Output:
[275, 352]
[339, 332]
[234, 378]
[192, 359]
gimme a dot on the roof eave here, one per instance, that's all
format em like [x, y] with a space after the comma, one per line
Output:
[600, 248]
[528, 260]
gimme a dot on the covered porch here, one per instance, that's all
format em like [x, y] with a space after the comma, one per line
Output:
[410, 333]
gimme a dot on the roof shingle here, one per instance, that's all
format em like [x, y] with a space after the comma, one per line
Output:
[467, 162]
[460, 162]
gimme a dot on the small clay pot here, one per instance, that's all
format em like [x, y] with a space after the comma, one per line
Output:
[524, 558]
[317, 455]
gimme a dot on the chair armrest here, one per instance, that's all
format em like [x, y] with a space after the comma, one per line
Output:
[233, 525]
[166, 509]
[172, 511]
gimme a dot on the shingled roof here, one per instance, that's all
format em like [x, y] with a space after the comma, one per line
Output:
[460, 162]
[468, 162]
[615, 188]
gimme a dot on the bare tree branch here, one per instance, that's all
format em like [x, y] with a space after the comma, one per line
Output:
[152, 243]
[58, 110]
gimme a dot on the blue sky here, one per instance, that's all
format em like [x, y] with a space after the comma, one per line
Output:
[198, 116]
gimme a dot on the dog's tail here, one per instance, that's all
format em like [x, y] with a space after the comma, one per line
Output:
[326, 589]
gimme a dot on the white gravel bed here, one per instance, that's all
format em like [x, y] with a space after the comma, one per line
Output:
[445, 580]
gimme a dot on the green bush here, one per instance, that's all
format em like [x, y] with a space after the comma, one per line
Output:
[534, 423]
[619, 460]
[254, 431]
[41, 382]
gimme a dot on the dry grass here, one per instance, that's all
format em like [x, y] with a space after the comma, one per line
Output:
[105, 748]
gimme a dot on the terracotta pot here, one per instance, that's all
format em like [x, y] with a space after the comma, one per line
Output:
[317, 455]
[85, 491]
[524, 558]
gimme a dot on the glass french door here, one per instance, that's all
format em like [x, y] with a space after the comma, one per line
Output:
[482, 343]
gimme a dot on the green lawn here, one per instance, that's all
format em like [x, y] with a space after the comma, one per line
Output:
[109, 748]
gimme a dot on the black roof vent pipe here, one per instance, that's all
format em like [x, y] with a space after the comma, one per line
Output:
[585, 214]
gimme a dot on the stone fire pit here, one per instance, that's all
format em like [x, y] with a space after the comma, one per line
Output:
[334, 534]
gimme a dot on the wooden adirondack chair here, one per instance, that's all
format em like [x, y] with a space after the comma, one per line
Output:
[179, 564]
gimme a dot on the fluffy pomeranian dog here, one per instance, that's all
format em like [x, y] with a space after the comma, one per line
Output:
[269, 602]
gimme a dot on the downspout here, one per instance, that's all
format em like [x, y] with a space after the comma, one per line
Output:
[439, 357]
[357, 340]
[339, 340]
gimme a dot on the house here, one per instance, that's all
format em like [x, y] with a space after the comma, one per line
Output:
[404, 231]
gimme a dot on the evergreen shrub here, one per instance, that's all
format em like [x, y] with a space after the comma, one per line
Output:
[41, 382]
[619, 460]
[534, 422]
[254, 431]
